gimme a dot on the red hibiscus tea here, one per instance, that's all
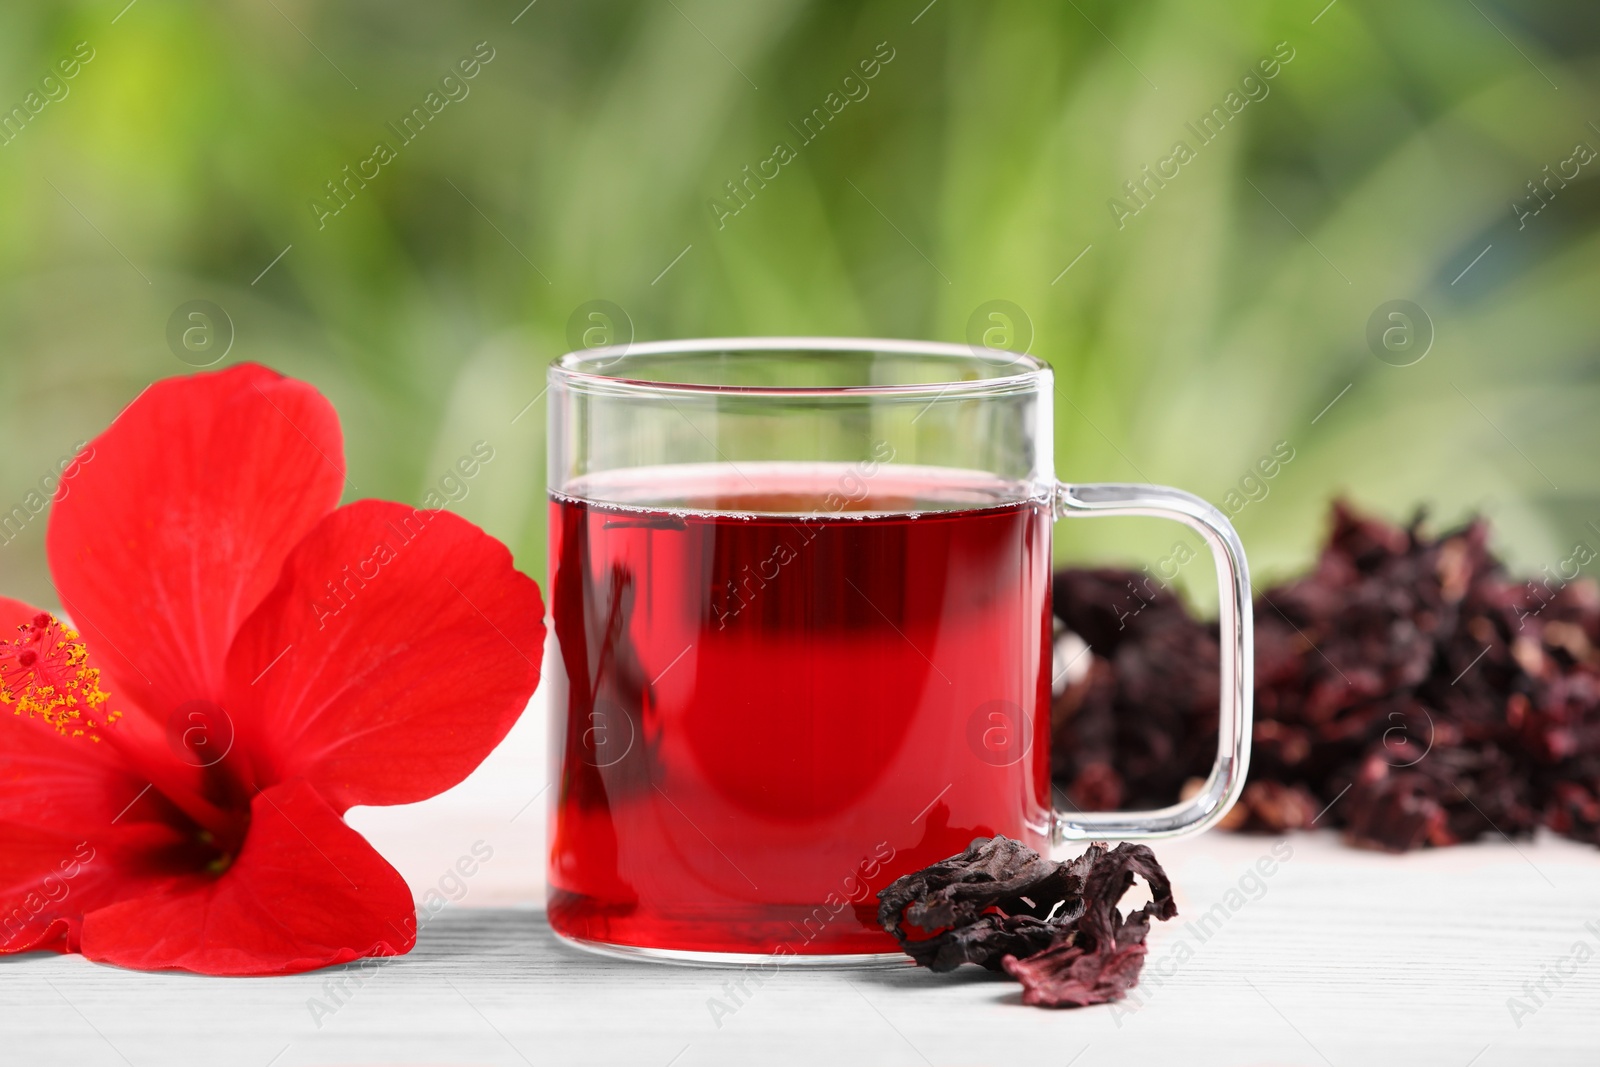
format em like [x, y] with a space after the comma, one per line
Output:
[782, 685]
[801, 593]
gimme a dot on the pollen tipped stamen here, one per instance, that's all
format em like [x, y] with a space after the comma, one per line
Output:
[44, 673]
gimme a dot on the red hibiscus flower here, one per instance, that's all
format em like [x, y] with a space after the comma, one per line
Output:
[246, 660]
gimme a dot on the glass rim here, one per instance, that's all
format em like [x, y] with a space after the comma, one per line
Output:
[583, 368]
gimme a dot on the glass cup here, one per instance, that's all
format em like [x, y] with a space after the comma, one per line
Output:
[801, 597]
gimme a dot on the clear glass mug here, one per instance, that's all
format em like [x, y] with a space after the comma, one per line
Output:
[800, 590]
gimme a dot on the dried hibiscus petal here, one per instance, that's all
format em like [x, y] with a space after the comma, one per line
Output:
[1100, 960]
[997, 898]
[1053, 926]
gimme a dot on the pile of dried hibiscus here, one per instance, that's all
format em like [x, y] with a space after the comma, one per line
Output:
[1408, 691]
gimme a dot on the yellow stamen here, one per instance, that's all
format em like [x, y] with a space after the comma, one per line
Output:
[44, 674]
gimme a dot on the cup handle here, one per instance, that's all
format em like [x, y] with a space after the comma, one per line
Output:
[1236, 668]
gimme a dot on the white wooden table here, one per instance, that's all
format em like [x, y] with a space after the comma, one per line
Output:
[1342, 957]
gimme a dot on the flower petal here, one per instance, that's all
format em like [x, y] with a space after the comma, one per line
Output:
[78, 826]
[397, 651]
[49, 878]
[306, 891]
[176, 519]
[13, 613]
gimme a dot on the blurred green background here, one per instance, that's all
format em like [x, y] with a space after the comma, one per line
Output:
[1386, 162]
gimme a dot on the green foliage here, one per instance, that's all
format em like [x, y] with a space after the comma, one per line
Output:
[1220, 318]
